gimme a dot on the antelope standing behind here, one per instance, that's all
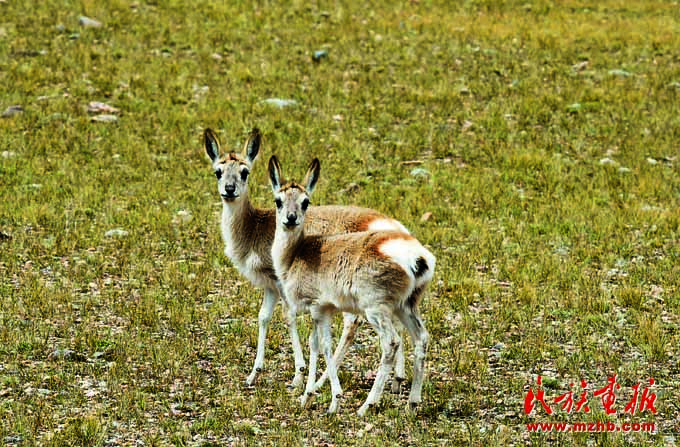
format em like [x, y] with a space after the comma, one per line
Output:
[378, 274]
[248, 234]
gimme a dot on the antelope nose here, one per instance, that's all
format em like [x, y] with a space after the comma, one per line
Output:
[291, 219]
[230, 189]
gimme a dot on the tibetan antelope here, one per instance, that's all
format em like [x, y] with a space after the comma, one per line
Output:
[378, 274]
[248, 234]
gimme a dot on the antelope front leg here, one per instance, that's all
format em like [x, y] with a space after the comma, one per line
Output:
[266, 311]
[350, 323]
[297, 347]
[324, 332]
[313, 360]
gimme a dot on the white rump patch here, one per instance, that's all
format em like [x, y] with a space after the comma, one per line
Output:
[406, 252]
[387, 225]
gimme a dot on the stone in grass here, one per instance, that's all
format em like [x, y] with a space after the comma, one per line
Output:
[318, 55]
[104, 118]
[67, 354]
[116, 232]
[420, 173]
[619, 72]
[183, 216]
[100, 107]
[11, 111]
[107, 355]
[496, 349]
[574, 108]
[88, 22]
[579, 66]
[352, 187]
[280, 103]
[607, 161]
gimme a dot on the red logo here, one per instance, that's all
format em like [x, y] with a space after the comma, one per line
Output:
[640, 402]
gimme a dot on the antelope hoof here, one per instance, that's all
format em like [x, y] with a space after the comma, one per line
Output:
[253, 375]
[364, 408]
[297, 381]
[303, 399]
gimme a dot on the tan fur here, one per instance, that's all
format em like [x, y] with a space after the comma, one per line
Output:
[333, 260]
[248, 234]
[379, 274]
[255, 228]
[231, 156]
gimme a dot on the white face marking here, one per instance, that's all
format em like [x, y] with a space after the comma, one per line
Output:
[387, 224]
[291, 207]
[232, 179]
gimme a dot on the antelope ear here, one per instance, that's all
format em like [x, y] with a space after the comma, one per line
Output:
[212, 145]
[312, 176]
[274, 173]
[252, 147]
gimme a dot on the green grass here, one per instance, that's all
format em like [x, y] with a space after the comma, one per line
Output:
[552, 259]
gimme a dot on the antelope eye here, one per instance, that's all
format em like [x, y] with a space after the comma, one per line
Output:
[218, 174]
[244, 175]
[279, 203]
[305, 204]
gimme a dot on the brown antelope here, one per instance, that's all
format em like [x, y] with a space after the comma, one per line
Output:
[378, 274]
[248, 234]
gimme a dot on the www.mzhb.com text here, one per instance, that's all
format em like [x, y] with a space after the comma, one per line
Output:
[591, 427]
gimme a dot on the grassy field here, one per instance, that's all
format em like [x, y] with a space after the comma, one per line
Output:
[541, 136]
